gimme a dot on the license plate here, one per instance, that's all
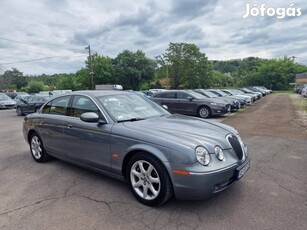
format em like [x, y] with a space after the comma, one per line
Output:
[242, 171]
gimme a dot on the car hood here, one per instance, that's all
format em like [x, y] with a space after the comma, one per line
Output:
[183, 130]
[217, 100]
[210, 100]
[7, 102]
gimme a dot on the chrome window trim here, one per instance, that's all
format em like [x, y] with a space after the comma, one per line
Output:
[81, 94]
[72, 95]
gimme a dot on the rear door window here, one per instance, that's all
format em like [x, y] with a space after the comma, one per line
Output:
[182, 95]
[166, 95]
[58, 106]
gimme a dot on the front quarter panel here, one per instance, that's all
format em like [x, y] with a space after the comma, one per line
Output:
[28, 125]
[125, 141]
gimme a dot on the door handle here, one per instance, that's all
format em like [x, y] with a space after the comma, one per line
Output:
[69, 126]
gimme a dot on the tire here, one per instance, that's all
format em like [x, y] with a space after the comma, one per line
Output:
[204, 112]
[148, 179]
[37, 149]
[18, 111]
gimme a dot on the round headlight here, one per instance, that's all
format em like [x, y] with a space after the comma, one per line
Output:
[202, 155]
[219, 153]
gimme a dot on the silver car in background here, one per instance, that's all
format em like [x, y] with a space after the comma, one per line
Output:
[129, 137]
[6, 102]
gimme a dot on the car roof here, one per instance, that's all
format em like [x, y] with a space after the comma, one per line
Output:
[98, 93]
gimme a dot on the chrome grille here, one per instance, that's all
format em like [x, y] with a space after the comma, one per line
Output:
[235, 144]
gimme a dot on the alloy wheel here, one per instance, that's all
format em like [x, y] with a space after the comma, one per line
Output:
[36, 147]
[145, 180]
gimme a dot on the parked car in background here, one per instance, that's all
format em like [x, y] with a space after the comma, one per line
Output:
[234, 103]
[22, 100]
[30, 104]
[13, 95]
[298, 89]
[150, 92]
[254, 95]
[6, 102]
[129, 137]
[189, 102]
[258, 90]
[20, 96]
[233, 92]
[267, 91]
[221, 93]
[304, 91]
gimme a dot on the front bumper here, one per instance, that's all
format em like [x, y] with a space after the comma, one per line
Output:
[7, 106]
[197, 186]
[235, 106]
[218, 111]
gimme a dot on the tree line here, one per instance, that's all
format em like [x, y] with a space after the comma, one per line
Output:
[182, 65]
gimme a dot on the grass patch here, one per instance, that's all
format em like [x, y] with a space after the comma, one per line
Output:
[299, 102]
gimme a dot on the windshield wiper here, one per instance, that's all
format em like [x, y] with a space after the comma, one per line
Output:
[132, 119]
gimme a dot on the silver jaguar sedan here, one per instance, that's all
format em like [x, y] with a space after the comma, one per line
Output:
[129, 137]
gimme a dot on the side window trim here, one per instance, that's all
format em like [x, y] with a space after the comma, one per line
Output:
[92, 100]
[67, 107]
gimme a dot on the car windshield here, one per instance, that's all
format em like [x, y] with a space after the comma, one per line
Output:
[222, 93]
[196, 95]
[238, 92]
[26, 98]
[247, 90]
[131, 107]
[4, 97]
[210, 94]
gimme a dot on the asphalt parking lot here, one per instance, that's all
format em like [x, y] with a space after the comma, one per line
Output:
[57, 195]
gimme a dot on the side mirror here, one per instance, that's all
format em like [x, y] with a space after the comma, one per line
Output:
[165, 107]
[89, 117]
[23, 100]
[190, 98]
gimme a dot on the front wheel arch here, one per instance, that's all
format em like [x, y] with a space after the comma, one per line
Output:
[130, 154]
[19, 111]
[204, 107]
[43, 155]
[30, 133]
[160, 183]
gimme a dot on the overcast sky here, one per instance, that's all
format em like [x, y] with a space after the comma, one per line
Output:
[61, 29]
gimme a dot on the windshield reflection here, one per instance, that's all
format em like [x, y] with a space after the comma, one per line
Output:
[131, 107]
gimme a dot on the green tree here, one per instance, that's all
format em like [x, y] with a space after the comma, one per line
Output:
[103, 69]
[229, 66]
[13, 80]
[35, 86]
[185, 66]
[82, 79]
[276, 73]
[66, 81]
[133, 68]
